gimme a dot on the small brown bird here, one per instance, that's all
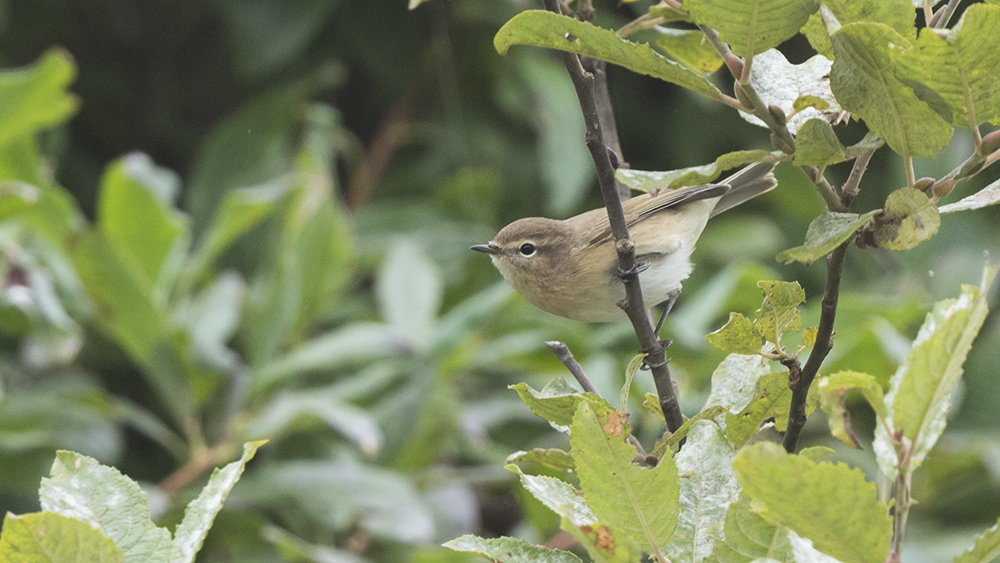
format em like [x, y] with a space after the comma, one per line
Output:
[568, 267]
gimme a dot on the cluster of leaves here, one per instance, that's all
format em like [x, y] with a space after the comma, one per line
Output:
[238, 322]
[719, 499]
[911, 89]
[92, 512]
[245, 302]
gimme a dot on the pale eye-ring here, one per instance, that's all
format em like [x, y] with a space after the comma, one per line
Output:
[527, 249]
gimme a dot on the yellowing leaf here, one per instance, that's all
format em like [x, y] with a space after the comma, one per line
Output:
[909, 218]
[640, 501]
[737, 336]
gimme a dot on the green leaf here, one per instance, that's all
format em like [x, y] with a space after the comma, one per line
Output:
[865, 83]
[897, 14]
[212, 317]
[735, 379]
[809, 336]
[409, 289]
[809, 101]
[921, 390]
[16, 198]
[54, 538]
[708, 413]
[308, 263]
[320, 231]
[641, 502]
[603, 544]
[779, 313]
[509, 550]
[707, 488]
[817, 145]
[633, 366]
[990, 195]
[239, 211]
[647, 181]
[985, 549]
[36, 98]
[559, 496]
[252, 146]
[350, 345]
[752, 27]
[826, 232]
[550, 458]
[134, 212]
[342, 495]
[772, 399]
[737, 336]
[546, 29]
[909, 218]
[80, 487]
[286, 409]
[783, 84]
[960, 67]
[20, 160]
[49, 210]
[749, 537]
[557, 402]
[566, 164]
[815, 453]
[126, 307]
[200, 513]
[832, 392]
[850, 525]
[690, 48]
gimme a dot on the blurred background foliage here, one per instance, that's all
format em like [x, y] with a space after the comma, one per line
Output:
[251, 218]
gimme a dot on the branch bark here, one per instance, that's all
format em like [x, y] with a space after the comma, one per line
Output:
[824, 343]
[566, 357]
[584, 83]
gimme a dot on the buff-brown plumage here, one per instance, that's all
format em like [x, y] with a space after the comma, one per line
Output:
[567, 267]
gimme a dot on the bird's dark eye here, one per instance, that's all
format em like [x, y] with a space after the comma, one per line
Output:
[527, 249]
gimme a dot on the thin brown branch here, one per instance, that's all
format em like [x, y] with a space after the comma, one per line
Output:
[383, 146]
[853, 183]
[566, 357]
[823, 187]
[824, 343]
[199, 463]
[607, 115]
[634, 307]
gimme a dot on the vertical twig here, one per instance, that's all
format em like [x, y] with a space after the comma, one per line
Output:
[853, 183]
[824, 342]
[583, 82]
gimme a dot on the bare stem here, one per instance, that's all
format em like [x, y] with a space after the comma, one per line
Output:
[634, 307]
[824, 342]
[901, 509]
[853, 183]
[823, 187]
[566, 357]
[201, 461]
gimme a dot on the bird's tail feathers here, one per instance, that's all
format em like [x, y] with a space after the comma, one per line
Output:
[746, 184]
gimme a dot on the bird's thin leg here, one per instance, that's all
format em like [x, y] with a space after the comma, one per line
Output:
[666, 311]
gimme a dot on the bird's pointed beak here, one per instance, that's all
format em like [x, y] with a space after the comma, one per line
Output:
[487, 248]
